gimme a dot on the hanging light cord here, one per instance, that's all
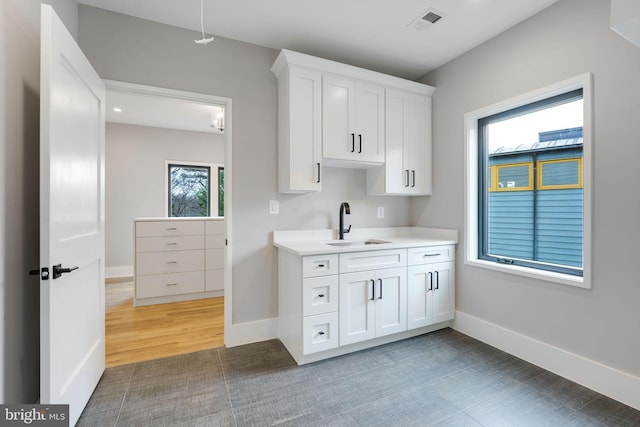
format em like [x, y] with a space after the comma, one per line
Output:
[204, 39]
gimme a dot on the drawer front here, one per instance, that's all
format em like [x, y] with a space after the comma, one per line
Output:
[159, 285]
[214, 259]
[169, 228]
[319, 265]
[214, 241]
[372, 260]
[169, 262]
[214, 280]
[319, 295]
[214, 227]
[319, 333]
[430, 254]
[162, 244]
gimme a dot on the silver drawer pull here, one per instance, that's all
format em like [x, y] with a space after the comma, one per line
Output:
[427, 255]
[172, 284]
[172, 228]
[172, 262]
[171, 244]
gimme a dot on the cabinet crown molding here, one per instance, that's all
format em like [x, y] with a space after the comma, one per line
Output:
[288, 58]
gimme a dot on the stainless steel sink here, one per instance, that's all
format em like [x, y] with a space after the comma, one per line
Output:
[348, 243]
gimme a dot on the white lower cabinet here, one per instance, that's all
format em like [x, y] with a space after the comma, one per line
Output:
[431, 286]
[372, 304]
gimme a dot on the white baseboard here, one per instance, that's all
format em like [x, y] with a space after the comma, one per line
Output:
[606, 380]
[250, 332]
[118, 271]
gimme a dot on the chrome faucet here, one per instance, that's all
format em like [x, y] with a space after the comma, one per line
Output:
[344, 209]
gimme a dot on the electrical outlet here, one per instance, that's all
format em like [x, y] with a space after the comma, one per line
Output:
[380, 212]
[274, 207]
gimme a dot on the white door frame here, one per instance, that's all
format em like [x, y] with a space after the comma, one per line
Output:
[228, 180]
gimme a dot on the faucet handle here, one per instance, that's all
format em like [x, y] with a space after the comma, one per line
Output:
[347, 230]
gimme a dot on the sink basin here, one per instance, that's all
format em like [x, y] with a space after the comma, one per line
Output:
[348, 243]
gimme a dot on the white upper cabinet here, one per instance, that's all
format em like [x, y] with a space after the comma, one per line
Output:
[352, 120]
[299, 130]
[335, 114]
[407, 167]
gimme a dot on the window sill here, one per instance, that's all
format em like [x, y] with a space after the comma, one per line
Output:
[548, 276]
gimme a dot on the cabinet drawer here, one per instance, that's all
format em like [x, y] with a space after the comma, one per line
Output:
[169, 262]
[214, 280]
[214, 241]
[430, 254]
[372, 260]
[169, 228]
[214, 227]
[159, 285]
[319, 332]
[319, 295]
[319, 265]
[214, 259]
[175, 243]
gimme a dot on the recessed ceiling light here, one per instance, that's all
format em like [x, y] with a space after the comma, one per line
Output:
[117, 109]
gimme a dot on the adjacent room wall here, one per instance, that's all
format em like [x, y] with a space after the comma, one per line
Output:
[568, 39]
[135, 179]
[19, 198]
[154, 54]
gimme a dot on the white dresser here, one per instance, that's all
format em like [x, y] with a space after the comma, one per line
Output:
[178, 259]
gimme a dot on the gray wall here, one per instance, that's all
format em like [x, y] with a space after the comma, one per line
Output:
[153, 54]
[135, 177]
[568, 39]
[19, 203]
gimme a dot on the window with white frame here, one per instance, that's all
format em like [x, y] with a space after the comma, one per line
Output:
[528, 199]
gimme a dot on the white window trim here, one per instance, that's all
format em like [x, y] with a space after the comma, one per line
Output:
[213, 171]
[583, 81]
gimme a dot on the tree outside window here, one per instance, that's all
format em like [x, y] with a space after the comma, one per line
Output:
[189, 190]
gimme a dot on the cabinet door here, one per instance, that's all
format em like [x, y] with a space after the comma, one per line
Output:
[338, 117]
[396, 130]
[443, 305]
[300, 151]
[357, 307]
[417, 153]
[419, 295]
[391, 301]
[369, 138]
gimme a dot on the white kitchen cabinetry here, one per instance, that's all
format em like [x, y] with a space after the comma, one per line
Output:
[372, 304]
[352, 120]
[407, 168]
[299, 129]
[177, 259]
[431, 285]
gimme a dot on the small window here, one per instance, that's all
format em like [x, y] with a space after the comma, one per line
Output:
[220, 191]
[513, 177]
[560, 174]
[189, 190]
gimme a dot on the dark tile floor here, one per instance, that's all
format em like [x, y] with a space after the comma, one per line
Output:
[440, 379]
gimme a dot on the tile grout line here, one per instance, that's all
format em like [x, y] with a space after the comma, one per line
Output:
[124, 396]
[226, 386]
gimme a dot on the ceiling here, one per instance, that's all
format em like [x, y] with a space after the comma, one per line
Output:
[374, 34]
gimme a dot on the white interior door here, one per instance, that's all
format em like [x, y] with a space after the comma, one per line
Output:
[71, 220]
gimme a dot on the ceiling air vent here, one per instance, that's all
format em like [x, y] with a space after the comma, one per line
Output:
[426, 19]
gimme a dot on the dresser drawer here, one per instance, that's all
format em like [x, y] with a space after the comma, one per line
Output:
[430, 254]
[175, 243]
[214, 241]
[214, 259]
[159, 285]
[372, 260]
[169, 228]
[319, 333]
[214, 227]
[169, 262]
[214, 280]
[319, 295]
[319, 265]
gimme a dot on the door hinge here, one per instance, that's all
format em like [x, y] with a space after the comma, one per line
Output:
[43, 273]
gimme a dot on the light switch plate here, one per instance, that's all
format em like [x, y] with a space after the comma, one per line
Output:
[274, 207]
[380, 212]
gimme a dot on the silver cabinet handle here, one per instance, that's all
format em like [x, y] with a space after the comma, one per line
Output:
[428, 255]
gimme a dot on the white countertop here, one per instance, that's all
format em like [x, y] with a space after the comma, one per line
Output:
[315, 242]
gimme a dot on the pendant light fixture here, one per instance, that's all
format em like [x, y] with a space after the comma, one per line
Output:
[204, 40]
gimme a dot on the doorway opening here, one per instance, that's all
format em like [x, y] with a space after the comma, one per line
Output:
[148, 129]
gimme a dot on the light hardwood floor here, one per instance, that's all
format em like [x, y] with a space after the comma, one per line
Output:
[135, 334]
